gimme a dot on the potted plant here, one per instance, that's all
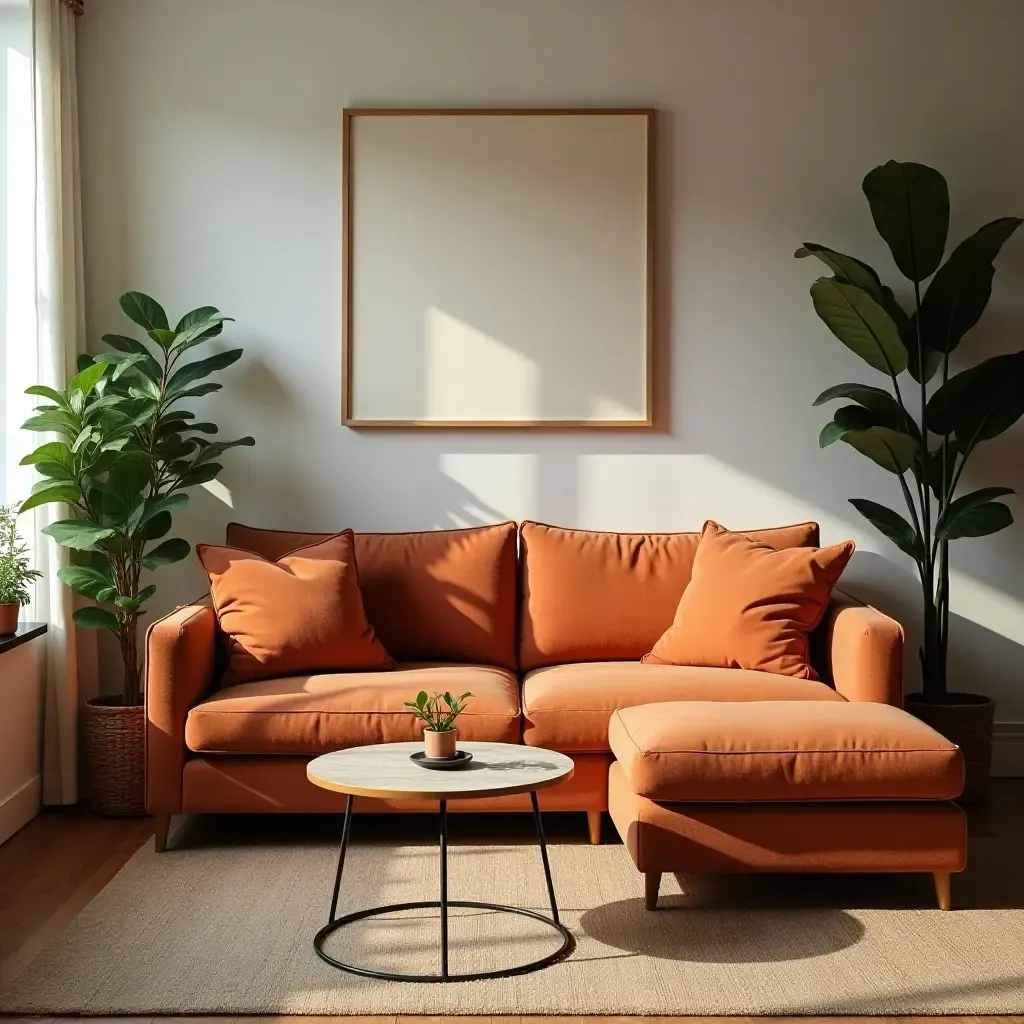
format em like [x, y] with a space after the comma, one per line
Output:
[439, 712]
[927, 441]
[15, 574]
[127, 452]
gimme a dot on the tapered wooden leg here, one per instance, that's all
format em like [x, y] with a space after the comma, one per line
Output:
[594, 827]
[942, 889]
[163, 823]
[652, 883]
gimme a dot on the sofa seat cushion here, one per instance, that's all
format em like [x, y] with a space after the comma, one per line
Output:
[707, 751]
[314, 714]
[567, 707]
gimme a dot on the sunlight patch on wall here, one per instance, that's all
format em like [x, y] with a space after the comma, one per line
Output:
[219, 491]
[489, 488]
[470, 375]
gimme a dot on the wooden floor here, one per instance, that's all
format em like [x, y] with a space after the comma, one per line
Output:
[54, 866]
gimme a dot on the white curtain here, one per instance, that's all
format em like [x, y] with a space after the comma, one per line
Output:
[59, 338]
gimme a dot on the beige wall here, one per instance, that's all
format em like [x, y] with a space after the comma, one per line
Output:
[211, 174]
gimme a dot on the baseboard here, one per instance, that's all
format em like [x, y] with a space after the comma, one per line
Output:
[1008, 750]
[20, 807]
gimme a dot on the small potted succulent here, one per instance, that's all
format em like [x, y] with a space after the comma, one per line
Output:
[439, 713]
[15, 574]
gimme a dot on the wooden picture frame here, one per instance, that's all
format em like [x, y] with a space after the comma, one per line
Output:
[595, 190]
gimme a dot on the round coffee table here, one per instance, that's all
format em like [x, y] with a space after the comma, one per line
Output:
[384, 770]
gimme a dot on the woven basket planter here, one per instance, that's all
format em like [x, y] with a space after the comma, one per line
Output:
[114, 746]
[965, 719]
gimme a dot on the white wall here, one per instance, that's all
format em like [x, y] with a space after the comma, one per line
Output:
[211, 138]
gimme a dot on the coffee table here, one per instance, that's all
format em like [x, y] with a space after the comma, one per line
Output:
[384, 770]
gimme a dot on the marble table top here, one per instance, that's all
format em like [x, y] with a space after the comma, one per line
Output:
[384, 770]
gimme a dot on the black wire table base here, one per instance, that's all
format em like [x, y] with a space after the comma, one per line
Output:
[334, 923]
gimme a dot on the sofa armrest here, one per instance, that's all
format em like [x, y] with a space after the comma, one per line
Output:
[180, 661]
[863, 652]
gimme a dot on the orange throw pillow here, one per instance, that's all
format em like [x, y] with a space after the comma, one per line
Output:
[302, 613]
[751, 606]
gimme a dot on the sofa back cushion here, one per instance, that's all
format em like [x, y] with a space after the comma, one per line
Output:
[590, 596]
[439, 595]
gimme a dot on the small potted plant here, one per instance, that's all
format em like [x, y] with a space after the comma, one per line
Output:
[439, 712]
[15, 574]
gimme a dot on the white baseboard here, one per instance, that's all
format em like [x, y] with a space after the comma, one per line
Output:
[20, 807]
[1008, 750]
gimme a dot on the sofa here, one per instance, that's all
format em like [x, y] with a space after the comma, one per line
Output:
[546, 626]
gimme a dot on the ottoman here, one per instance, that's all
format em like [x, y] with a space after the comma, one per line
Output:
[702, 786]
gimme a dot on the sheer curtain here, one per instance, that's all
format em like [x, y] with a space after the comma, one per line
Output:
[59, 337]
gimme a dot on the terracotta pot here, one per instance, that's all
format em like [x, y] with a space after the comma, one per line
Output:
[966, 720]
[114, 754]
[9, 618]
[439, 744]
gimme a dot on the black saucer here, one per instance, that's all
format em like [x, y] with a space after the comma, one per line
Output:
[442, 764]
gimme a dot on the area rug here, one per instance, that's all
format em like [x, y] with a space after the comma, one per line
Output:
[227, 929]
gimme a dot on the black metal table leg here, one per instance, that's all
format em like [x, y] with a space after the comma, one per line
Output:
[544, 856]
[444, 889]
[341, 858]
[334, 923]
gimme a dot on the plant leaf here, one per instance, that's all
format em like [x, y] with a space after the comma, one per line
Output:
[981, 402]
[164, 503]
[892, 525]
[149, 366]
[891, 449]
[200, 331]
[910, 207]
[87, 380]
[144, 310]
[96, 618]
[957, 296]
[84, 579]
[887, 411]
[974, 511]
[184, 376]
[978, 521]
[847, 270]
[68, 492]
[159, 525]
[76, 533]
[44, 392]
[861, 324]
[173, 550]
[52, 451]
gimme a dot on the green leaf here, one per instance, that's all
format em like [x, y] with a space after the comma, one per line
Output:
[887, 411]
[55, 492]
[164, 503]
[980, 403]
[44, 392]
[195, 316]
[144, 310]
[938, 482]
[184, 376]
[149, 366]
[52, 451]
[890, 449]
[198, 391]
[978, 521]
[846, 269]
[957, 296]
[96, 618]
[214, 449]
[87, 380]
[200, 474]
[76, 533]
[173, 550]
[421, 699]
[200, 331]
[56, 422]
[976, 511]
[861, 324]
[910, 207]
[164, 338]
[146, 593]
[892, 525]
[159, 525]
[55, 471]
[85, 579]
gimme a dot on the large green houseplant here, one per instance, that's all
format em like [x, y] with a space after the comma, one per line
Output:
[126, 454]
[924, 430]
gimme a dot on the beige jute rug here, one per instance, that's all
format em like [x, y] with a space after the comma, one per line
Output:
[227, 929]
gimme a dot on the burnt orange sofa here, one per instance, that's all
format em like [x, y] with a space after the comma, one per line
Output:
[545, 626]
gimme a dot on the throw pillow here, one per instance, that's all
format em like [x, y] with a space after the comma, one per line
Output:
[300, 613]
[751, 606]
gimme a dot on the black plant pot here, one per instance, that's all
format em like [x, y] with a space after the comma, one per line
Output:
[965, 719]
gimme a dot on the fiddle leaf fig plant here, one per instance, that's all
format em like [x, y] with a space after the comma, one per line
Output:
[439, 711]
[923, 430]
[127, 453]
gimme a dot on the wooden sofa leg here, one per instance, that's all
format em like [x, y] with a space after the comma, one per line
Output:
[163, 823]
[652, 883]
[594, 827]
[942, 889]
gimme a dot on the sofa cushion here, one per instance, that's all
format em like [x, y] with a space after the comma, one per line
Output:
[301, 613]
[567, 707]
[751, 606]
[439, 595]
[315, 714]
[775, 750]
[589, 596]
